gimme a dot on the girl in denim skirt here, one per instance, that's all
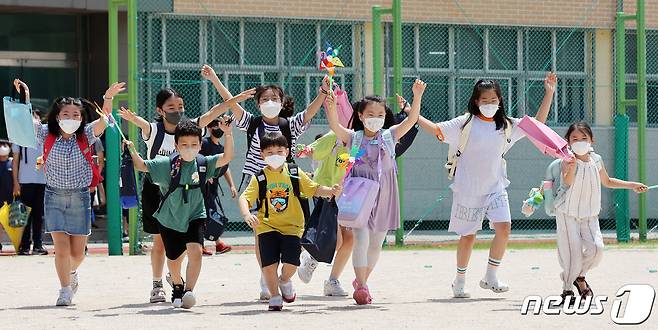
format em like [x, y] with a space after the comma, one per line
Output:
[67, 205]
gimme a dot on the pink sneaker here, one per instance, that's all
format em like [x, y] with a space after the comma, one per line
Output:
[362, 296]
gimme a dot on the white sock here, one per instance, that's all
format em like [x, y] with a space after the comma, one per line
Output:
[492, 267]
[460, 279]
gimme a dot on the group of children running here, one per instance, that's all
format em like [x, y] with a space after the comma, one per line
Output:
[173, 208]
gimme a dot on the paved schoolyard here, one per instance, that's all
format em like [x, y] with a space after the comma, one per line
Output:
[411, 289]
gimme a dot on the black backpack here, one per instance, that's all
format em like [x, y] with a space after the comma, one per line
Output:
[159, 138]
[294, 179]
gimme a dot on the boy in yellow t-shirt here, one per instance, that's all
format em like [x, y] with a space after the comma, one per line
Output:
[279, 224]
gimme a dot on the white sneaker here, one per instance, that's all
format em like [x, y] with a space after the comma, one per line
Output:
[188, 300]
[332, 288]
[287, 291]
[495, 285]
[459, 291]
[74, 282]
[177, 303]
[305, 271]
[65, 297]
[264, 291]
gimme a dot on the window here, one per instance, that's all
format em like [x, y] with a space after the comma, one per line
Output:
[338, 35]
[502, 49]
[182, 40]
[571, 54]
[224, 42]
[300, 37]
[469, 49]
[433, 46]
[538, 50]
[38, 32]
[435, 99]
[259, 43]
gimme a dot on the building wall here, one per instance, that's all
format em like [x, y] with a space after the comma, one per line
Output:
[585, 13]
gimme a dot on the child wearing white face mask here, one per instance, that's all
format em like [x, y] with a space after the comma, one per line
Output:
[374, 136]
[70, 171]
[279, 224]
[277, 115]
[579, 240]
[6, 177]
[182, 212]
[478, 142]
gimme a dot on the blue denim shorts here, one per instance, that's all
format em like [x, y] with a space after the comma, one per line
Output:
[68, 211]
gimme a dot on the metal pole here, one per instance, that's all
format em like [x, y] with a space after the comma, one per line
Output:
[112, 141]
[132, 104]
[641, 113]
[376, 54]
[397, 88]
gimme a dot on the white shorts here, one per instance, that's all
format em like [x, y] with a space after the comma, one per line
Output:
[468, 212]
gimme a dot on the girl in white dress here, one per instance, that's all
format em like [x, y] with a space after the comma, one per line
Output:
[579, 240]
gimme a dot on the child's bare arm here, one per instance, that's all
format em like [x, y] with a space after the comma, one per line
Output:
[615, 183]
[225, 126]
[249, 218]
[324, 191]
[568, 171]
[138, 161]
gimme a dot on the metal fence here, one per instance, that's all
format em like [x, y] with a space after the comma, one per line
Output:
[248, 52]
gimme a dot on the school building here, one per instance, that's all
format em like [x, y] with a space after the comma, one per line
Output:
[60, 47]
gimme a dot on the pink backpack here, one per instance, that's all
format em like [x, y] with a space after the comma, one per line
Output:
[344, 107]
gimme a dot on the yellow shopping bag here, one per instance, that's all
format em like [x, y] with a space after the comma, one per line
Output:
[15, 233]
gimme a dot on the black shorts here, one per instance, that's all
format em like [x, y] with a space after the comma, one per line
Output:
[175, 242]
[150, 204]
[275, 247]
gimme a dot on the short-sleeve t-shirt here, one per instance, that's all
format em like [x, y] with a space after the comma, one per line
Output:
[331, 169]
[480, 169]
[209, 148]
[254, 162]
[27, 168]
[285, 211]
[175, 214]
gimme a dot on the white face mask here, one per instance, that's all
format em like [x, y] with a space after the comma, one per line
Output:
[581, 148]
[69, 126]
[270, 109]
[275, 161]
[488, 110]
[4, 151]
[374, 124]
[188, 154]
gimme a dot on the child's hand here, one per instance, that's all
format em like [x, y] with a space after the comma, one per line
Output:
[251, 220]
[207, 72]
[639, 187]
[326, 89]
[234, 192]
[128, 115]
[402, 102]
[113, 90]
[242, 96]
[18, 83]
[225, 124]
[130, 145]
[336, 190]
[419, 87]
[550, 82]
[331, 102]
[17, 189]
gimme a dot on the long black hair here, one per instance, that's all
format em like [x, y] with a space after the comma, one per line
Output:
[482, 85]
[360, 106]
[287, 101]
[162, 97]
[86, 108]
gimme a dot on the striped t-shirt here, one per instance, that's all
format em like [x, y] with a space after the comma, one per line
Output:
[254, 162]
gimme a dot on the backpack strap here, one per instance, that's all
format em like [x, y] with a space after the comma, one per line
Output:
[48, 145]
[254, 124]
[202, 169]
[357, 139]
[284, 126]
[293, 169]
[159, 139]
[262, 192]
[88, 151]
[463, 140]
[389, 142]
[508, 138]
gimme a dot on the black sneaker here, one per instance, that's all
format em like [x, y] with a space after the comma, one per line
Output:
[40, 251]
[23, 252]
[177, 295]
